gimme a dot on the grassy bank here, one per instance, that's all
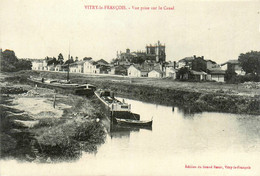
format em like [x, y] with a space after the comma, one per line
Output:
[33, 130]
[191, 96]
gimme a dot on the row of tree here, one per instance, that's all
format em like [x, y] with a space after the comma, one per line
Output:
[60, 60]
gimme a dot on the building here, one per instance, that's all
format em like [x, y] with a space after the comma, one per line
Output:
[137, 71]
[233, 66]
[76, 67]
[170, 72]
[133, 71]
[156, 52]
[90, 67]
[199, 64]
[156, 73]
[118, 70]
[51, 67]
[39, 65]
[211, 64]
[217, 75]
[185, 62]
[125, 56]
[198, 75]
[58, 68]
[102, 62]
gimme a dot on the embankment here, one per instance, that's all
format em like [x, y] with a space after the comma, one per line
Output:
[33, 128]
[193, 97]
[191, 101]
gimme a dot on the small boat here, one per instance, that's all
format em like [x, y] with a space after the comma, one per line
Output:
[132, 122]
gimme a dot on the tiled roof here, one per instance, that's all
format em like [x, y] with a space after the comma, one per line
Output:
[186, 59]
[231, 62]
[217, 71]
[157, 70]
[198, 72]
[102, 60]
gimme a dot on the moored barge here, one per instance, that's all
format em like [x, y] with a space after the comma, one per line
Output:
[64, 87]
[115, 108]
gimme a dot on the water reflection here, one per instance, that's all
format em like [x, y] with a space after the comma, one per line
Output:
[178, 131]
[121, 131]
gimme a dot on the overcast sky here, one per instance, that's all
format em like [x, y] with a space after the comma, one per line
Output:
[217, 30]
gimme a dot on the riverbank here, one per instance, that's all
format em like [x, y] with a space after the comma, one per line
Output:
[191, 96]
[36, 128]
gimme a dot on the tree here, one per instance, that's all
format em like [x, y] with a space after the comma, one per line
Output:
[114, 61]
[183, 73]
[9, 56]
[230, 76]
[250, 62]
[87, 58]
[138, 60]
[23, 64]
[10, 63]
[69, 61]
[60, 59]
[51, 60]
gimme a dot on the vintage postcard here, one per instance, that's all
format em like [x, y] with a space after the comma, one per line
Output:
[129, 87]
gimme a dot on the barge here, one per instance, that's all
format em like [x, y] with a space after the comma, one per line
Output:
[115, 108]
[64, 87]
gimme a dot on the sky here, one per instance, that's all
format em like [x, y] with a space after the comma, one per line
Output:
[217, 30]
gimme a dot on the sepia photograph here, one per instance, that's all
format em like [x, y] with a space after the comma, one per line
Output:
[129, 87]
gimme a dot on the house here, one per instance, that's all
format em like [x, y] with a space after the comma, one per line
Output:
[137, 71]
[102, 62]
[211, 64]
[200, 64]
[39, 65]
[134, 71]
[90, 67]
[103, 66]
[234, 66]
[58, 68]
[217, 75]
[76, 67]
[51, 67]
[118, 70]
[103, 69]
[170, 72]
[156, 73]
[170, 69]
[185, 62]
[198, 75]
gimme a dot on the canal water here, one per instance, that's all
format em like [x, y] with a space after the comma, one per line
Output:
[178, 138]
[179, 143]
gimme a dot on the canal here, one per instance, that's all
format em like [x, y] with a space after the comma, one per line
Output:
[179, 138]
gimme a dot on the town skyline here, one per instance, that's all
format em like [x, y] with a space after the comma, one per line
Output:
[219, 31]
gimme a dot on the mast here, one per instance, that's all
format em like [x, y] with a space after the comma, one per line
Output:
[68, 74]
